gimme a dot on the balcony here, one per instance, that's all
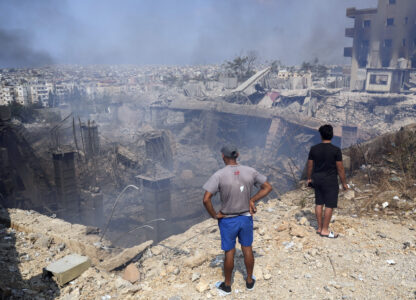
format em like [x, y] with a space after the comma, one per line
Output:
[352, 11]
[349, 32]
[348, 52]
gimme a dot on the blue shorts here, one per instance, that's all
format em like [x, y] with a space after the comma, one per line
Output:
[230, 228]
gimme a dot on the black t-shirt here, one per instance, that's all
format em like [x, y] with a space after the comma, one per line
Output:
[325, 156]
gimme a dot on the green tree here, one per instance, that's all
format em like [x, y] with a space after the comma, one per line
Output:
[241, 67]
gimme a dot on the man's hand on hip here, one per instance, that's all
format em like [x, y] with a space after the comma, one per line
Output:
[253, 208]
[219, 215]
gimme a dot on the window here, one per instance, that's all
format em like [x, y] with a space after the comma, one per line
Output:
[367, 23]
[379, 79]
[392, 2]
[390, 22]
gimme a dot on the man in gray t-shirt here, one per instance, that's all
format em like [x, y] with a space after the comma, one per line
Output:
[235, 184]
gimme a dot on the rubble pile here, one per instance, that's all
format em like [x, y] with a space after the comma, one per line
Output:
[374, 257]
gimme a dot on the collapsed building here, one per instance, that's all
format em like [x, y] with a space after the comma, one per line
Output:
[75, 162]
[384, 47]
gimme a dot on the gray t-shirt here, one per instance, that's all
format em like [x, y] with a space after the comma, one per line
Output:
[235, 183]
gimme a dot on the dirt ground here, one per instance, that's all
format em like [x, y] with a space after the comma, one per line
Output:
[374, 258]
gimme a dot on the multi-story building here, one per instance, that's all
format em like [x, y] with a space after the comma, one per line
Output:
[39, 93]
[384, 46]
[21, 94]
[6, 95]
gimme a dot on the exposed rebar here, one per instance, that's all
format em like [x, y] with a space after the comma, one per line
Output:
[114, 206]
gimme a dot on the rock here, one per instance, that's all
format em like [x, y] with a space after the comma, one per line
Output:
[303, 221]
[262, 231]
[43, 242]
[133, 289]
[131, 273]
[195, 276]
[176, 271]
[61, 247]
[382, 235]
[196, 260]
[297, 231]
[390, 262]
[92, 230]
[282, 227]
[120, 283]
[156, 250]
[267, 276]
[202, 286]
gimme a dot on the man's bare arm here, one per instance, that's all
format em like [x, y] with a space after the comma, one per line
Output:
[341, 173]
[209, 207]
[309, 169]
[265, 189]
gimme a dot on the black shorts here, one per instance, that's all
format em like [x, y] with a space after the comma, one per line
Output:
[327, 195]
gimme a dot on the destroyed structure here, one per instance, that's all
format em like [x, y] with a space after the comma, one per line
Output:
[160, 130]
[384, 47]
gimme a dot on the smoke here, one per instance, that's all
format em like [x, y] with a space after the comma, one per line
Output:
[17, 52]
[176, 32]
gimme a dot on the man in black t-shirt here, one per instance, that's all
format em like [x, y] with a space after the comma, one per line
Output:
[324, 164]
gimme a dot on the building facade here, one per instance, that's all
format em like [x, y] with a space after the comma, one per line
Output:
[384, 46]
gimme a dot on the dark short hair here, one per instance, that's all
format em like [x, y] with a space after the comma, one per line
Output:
[326, 131]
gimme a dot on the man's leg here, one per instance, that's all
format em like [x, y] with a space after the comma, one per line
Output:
[318, 213]
[249, 262]
[228, 266]
[327, 219]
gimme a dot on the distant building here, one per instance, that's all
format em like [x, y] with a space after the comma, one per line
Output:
[384, 46]
[6, 95]
[39, 93]
[21, 94]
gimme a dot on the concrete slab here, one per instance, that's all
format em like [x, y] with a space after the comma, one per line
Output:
[69, 267]
[125, 256]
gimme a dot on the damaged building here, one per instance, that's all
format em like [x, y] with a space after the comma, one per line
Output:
[384, 47]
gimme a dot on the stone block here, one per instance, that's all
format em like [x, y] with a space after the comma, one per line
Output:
[131, 273]
[69, 267]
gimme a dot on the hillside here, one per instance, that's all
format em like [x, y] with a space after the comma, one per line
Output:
[374, 257]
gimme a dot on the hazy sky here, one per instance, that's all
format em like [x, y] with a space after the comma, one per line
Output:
[37, 32]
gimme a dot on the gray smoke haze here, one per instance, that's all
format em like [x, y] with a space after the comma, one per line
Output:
[174, 32]
[15, 51]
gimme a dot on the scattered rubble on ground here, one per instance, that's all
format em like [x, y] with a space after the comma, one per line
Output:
[375, 256]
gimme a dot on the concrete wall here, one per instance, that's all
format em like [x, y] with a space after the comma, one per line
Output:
[382, 37]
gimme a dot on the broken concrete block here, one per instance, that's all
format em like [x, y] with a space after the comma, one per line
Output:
[131, 273]
[43, 242]
[196, 260]
[69, 267]
[125, 256]
[297, 231]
